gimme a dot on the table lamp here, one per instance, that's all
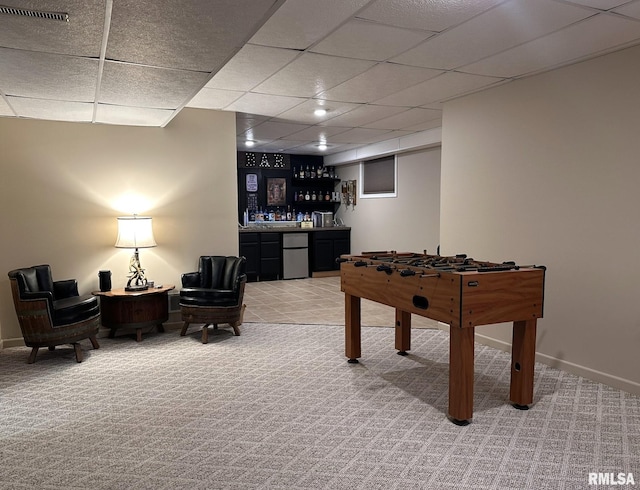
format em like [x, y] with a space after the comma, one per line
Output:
[135, 232]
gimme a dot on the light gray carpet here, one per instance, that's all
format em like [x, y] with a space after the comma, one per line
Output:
[279, 407]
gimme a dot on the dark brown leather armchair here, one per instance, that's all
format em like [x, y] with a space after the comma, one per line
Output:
[214, 294]
[51, 312]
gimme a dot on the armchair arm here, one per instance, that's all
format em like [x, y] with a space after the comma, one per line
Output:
[65, 289]
[242, 278]
[191, 280]
[36, 295]
[29, 296]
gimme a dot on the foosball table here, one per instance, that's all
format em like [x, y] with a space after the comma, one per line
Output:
[459, 291]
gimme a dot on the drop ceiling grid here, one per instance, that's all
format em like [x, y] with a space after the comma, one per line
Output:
[381, 67]
[491, 32]
[311, 74]
[489, 19]
[593, 35]
[360, 39]
[305, 112]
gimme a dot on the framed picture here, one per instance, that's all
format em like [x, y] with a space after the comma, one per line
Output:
[276, 192]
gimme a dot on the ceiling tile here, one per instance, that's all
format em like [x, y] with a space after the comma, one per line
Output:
[359, 135]
[379, 81]
[316, 133]
[246, 121]
[442, 87]
[5, 110]
[505, 26]
[305, 111]
[433, 123]
[266, 105]
[431, 15]
[631, 10]
[251, 66]
[277, 146]
[405, 119]
[195, 35]
[81, 36]
[132, 116]
[597, 34]
[362, 115]
[311, 74]
[369, 41]
[144, 86]
[52, 110]
[300, 23]
[211, 98]
[601, 4]
[47, 76]
[273, 130]
[311, 148]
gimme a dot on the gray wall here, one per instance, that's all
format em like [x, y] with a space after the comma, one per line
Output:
[546, 171]
[64, 184]
[406, 223]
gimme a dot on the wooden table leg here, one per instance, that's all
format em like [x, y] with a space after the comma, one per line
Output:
[523, 357]
[352, 327]
[403, 332]
[138, 335]
[461, 374]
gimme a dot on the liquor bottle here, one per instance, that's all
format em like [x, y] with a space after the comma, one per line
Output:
[295, 196]
[313, 172]
[307, 196]
[319, 171]
[327, 197]
[289, 215]
[300, 196]
[313, 196]
[307, 173]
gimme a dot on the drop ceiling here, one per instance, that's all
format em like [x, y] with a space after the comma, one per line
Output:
[382, 69]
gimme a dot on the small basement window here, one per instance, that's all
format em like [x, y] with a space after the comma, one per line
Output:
[379, 177]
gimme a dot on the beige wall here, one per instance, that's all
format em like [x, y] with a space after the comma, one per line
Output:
[64, 184]
[408, 222]
[546, 171]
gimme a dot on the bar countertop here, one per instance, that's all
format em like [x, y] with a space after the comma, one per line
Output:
[290, 229]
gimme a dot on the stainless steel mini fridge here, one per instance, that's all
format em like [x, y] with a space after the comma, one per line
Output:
[295, 255]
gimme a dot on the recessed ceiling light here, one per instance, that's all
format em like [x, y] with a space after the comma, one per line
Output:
[322, 146]
[249, 143]
[320, 112]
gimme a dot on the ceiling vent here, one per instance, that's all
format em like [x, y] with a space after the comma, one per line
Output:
[34, 13]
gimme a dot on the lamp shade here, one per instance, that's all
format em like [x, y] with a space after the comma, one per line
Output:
[135, 232]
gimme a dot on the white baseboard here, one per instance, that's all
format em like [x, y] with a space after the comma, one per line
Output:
[15, 342]
[570, 367]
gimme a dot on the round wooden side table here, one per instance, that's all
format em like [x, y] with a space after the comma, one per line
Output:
[134, 309]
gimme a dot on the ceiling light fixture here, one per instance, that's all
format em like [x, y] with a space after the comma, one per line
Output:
[322, 146]
[320, 112]
[249, 143]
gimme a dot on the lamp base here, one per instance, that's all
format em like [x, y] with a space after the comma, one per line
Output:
[142, 287]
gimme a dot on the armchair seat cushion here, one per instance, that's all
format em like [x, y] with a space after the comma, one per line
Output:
[208, 297]
[74, 309]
